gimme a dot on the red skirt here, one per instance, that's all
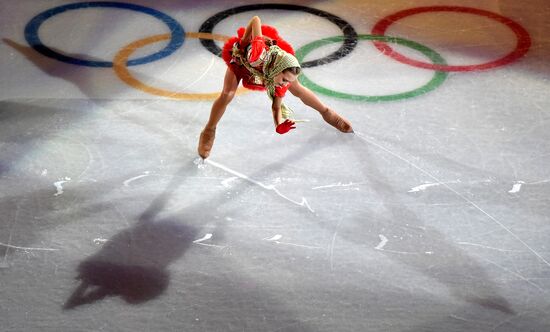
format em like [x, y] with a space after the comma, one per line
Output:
[239, 70]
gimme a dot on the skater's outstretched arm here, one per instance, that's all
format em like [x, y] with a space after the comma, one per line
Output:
[281, 126]
[276, 109]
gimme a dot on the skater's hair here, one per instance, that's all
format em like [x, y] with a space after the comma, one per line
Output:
[294, 70]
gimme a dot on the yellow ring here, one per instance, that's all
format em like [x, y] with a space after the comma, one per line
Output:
[121, 69]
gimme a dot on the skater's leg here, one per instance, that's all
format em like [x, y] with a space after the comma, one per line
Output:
[230, 85]
[311, 100]
[253, 30]
[206, 141]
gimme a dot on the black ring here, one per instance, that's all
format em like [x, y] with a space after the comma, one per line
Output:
[350, 35]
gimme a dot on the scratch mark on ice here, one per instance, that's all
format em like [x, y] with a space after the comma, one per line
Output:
[495, 220]
[339, 184]
[226, 182]
[425, 186]
[487, 247]
[383, 241]
[517, 275]
[59, 185]
[204, 238]
[277, 237]
[26, 248]
[332, 244]
[516, 187]
[127, 182]
[207, 237]
[100, 240]
[212, 62]
[303, 203]
[274, 238]
[462, 319]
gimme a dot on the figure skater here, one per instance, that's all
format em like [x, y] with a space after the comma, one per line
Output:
[264, 61]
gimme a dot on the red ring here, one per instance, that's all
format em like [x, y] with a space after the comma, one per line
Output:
[522, 46]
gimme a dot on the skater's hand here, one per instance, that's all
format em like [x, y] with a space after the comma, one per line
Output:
[285, 126]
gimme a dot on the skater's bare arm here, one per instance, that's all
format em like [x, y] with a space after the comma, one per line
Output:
[253, 29]
[276, 109]
[307, 96]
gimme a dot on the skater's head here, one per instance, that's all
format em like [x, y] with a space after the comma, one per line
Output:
[287, 76]
[281, 69]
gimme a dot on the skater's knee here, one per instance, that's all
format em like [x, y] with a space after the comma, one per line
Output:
[226, 96]
[256, 19]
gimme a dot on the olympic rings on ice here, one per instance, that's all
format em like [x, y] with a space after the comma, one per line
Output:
[349, 39]
[121, 69]
[438, 78]
[32, 35]
[522, 45]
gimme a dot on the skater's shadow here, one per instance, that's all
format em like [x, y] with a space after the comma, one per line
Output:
[133, 264]
[80, 76]
[427, 250]
[95, 83]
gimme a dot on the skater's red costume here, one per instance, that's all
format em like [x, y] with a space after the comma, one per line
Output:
[271, 37]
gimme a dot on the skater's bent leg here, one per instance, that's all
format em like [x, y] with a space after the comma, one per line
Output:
[307, 96]
[311, 100]
[253, 29]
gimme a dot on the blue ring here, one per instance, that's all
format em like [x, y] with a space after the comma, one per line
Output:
[31, 33]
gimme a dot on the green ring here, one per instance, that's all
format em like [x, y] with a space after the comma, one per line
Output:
[436, 81]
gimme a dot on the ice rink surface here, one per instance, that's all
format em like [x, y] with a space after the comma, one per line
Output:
[432, 216]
